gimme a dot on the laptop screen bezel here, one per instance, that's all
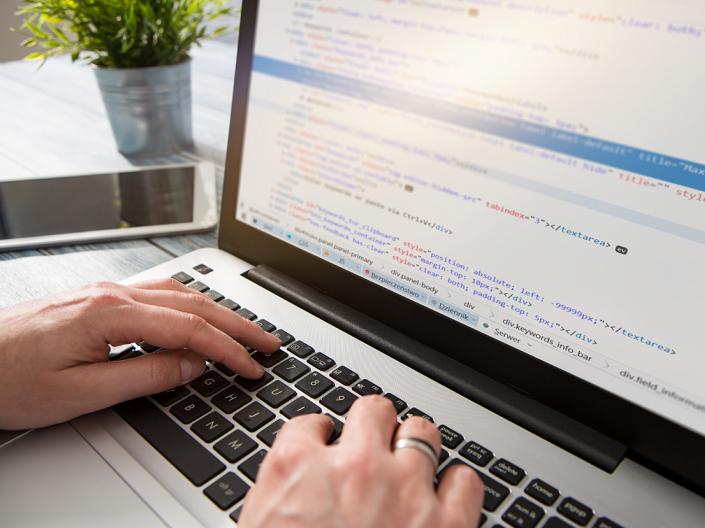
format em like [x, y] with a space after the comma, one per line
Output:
[662, 444]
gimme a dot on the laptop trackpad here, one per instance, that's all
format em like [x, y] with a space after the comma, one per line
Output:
[52, 477]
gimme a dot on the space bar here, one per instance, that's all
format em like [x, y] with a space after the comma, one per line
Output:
[177, 446]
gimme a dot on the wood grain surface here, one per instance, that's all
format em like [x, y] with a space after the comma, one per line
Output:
[53, 122]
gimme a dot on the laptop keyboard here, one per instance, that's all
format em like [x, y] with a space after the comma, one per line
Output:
[216, 431]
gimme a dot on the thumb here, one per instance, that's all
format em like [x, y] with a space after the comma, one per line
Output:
[101, 385]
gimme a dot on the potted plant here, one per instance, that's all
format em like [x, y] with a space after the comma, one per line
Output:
[139, 50]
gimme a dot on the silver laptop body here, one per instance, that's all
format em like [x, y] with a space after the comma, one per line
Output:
[466, 205]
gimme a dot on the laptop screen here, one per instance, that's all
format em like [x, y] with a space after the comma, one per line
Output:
[533, 170]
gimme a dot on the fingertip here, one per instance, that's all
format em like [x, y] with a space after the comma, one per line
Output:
[252, 370]
[257, 369]
[273, 341]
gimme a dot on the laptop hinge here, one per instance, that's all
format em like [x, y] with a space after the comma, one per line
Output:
[561, 430]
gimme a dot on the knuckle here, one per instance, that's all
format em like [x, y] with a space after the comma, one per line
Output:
[169, 284]
[102, 285]
[306, 419]
[196, 323]
[473, 480]
[467, 476]
[277, 463]
[161, 372]
[421, 424]
[288, 451]
[285, 456]
[360, 463]
[376, 401]
[100, 296]
[198, 300]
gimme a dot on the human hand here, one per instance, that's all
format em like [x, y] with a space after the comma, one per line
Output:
[54, 352]
[359, 482]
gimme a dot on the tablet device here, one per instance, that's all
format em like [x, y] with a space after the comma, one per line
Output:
[135, 203]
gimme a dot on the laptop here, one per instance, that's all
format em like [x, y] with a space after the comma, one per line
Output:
[489, 212]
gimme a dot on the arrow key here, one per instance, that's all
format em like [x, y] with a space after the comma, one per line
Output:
[227, 490]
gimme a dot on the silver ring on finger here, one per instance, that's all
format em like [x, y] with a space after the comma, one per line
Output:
[420, 445]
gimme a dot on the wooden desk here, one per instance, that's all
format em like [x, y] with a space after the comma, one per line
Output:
[52, 121]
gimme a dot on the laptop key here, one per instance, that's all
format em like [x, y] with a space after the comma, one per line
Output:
[483, 519]
[604, 522]
[229, 304]
[337, 429]
[190, 409]
[367, 388]
[198, 286]
[416, 412]
[321, 361]
[283, 336]
[212, 426]
[171, 396]
[227, 490]
[542, 492]
[230, 399]
[236, 446]
[209, 383]
[254, 416]
[122, 352]
[276, 394]
[269, 433]
[183, 278]
[555, 522]
[225, 370]
[132, 355]
[250, 467]
[399, 404]
[339, 400]
[193, 460]
[202, 269]
[344, 375]
[215, 295]
[575, 510]
[269, 359]
[523, 514]
[476, 454]
[291, 369]
[300, 349]
[495, 493]
[235, 515]
[507, 471]
[443, 457]
[450, 438]
[314, 385]
[147, 347]
[265, 325]
[254, 384]
[299, 407]
[247, 314]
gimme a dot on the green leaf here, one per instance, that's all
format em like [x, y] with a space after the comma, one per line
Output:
[120, 33]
